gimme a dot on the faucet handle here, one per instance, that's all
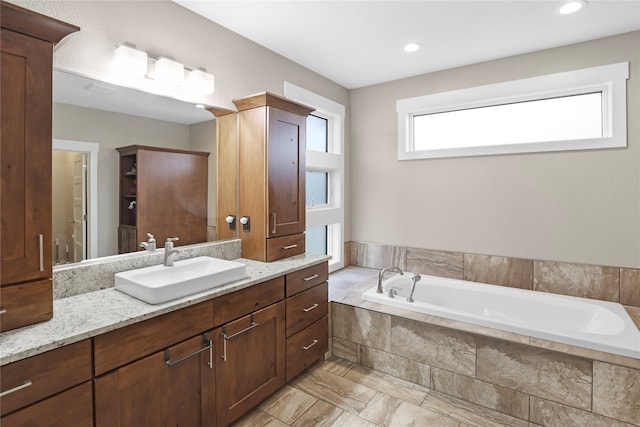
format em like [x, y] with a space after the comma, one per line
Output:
[152, 239]
[172, 239]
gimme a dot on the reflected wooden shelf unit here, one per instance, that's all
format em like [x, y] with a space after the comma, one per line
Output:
[169, 188]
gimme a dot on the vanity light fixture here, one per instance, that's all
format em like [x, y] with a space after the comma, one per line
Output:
[133, 64]
[412, 47]
[200, 81]
[169, 72]
[130, 61]
[572, 6]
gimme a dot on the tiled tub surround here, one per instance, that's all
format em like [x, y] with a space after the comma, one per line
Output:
[511, 378]
[589, 323]
[607, 283]
[93, 313]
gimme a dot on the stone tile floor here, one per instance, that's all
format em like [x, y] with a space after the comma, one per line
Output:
[337, 392]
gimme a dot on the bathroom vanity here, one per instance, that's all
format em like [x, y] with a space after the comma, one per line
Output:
[205, 359]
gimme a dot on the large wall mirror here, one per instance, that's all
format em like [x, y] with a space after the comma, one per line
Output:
[90, 120]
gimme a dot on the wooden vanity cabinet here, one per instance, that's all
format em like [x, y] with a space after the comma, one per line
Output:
[25, 157]
[52, 388]
[169, 188]
[272, 174]
[307, 307]
[157, 372]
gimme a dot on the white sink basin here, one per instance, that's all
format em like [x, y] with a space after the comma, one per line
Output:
[158, 284]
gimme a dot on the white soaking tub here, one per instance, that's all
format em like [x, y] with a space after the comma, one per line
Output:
[593, 324]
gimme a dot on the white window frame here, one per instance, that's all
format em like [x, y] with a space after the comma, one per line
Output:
[608, 79]
[331, 214]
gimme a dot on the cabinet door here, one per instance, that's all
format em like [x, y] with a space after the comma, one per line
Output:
[25, 157]
[174, 387]
[286, 173]
[250, 361]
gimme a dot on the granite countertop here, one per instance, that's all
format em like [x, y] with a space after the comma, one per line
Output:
[86, 315]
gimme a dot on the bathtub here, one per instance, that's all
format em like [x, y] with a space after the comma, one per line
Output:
[593, 324]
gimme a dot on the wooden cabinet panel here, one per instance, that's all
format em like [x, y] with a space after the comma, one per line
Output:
[236, 304]
[307, 278]
[152, 392]
[307, 346]
[250, 361]
[25, 304]
[124, 345]
[227, 174]
[47, 373]
[306, 308]
[170, 191]
[26, 83]
[73, 407]
[127, 239]
[286, 172]
[285, 246]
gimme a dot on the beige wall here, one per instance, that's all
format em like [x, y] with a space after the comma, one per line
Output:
[202, 137]
[581, 207]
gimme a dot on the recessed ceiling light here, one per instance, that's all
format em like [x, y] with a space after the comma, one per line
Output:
[572, 6]
[412, 47]
[201, 106]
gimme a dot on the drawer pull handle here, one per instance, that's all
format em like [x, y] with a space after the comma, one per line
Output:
[307, 347]
[20, 387]
[208, 346]
[3, 310]
[289, 247]
[41, 250]
[308, 309]
[273, 230]
[315, 276]
[228, 337]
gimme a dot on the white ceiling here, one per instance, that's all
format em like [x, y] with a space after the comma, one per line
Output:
[359, 43]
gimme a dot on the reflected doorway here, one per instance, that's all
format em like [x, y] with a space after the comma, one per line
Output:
[74, 201]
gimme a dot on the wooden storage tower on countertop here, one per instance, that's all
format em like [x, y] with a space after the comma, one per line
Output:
[26, 294]
[169, 188]
[272, 176]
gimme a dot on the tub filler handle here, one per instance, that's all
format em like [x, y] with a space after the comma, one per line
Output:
[416, 278]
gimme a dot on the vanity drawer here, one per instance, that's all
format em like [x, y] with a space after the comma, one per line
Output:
[285, 246]
[299, 281]
[122, 346]
[26, 304]
[240, 303]
[306, 308]
[40, 376]
[71, 408]
[307, 346]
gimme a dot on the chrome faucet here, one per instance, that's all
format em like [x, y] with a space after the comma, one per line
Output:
[169, 251]
[416, 278]
[396, 269]
[149, 245]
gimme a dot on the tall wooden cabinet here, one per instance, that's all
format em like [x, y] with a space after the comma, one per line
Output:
[26, 295]
[272, 176]
[162, 192]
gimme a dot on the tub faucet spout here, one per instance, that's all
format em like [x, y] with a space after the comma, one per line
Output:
[396, 269]
[416, 278]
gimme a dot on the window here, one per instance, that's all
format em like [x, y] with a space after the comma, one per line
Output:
[324, 176]
[583, 109]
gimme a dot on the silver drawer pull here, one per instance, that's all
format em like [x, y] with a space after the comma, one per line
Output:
[208, 346]
[289, 247]
[310, 308]
[315, 276]
[226, 337]
[307, 347]
[3, 310]
[20, 387]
